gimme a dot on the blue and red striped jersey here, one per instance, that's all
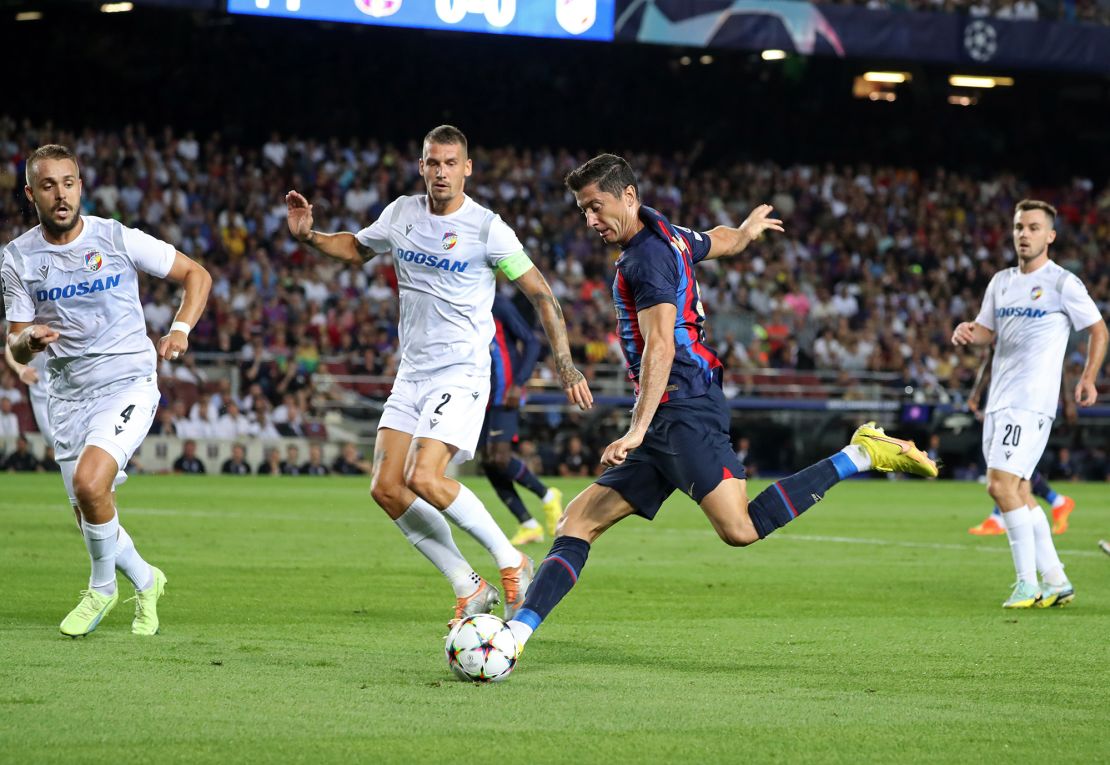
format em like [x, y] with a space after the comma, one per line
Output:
[657, 266]
[513, 350]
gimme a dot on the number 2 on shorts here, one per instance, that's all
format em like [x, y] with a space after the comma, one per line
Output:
[443, 403]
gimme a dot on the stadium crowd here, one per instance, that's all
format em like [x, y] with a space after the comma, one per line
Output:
[876, 267]
[1084, 11]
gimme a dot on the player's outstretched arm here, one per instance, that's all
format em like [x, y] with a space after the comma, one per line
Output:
[657, 327]
[341, 246]
[28, 375]
[197, 283]
[536, 289]
[726, 241]
[1086, 394]
[26, 339]
[971, 333]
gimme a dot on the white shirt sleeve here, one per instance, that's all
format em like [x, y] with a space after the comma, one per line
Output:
[502, 241]
[17, 300]
[1077, 303]
[147, 253]
[986, 313]
[376, 235]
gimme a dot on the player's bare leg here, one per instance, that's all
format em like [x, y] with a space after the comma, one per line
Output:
[587, 517]
[1005, 490]
[423, 524]
[726, 507]
[425, 474]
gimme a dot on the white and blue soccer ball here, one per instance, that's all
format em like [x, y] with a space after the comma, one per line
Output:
[482, 649]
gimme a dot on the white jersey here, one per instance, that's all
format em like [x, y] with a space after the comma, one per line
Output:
[1032, 316]
[446, 270]
[87, 291]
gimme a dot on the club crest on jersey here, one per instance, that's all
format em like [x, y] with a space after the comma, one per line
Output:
[450, 239]
[1036, 293]
[93, 260]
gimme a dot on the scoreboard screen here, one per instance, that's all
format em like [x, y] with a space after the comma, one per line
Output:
[576, 19]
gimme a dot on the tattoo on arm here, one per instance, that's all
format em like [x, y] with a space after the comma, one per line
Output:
[551, 315]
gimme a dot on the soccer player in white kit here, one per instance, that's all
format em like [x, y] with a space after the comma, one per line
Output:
[1028, 312]
[447, 250]
[71, 289]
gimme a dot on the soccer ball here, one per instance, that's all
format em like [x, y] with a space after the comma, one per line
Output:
[481, 648]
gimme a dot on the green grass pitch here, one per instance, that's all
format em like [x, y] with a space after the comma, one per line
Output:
[298, 626]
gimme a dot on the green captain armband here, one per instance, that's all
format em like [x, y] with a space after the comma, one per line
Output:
[515, 266]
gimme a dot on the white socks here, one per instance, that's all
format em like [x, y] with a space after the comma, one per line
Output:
[859, 457]
[426, 529]
[1019, 530]
[1048, 562]
[100, 540]
[470, 515]
[531, 523]
[549, 496]
[130, 563]
[520, 630]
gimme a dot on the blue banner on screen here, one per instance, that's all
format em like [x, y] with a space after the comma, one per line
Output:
[847, 31]
[579, 19]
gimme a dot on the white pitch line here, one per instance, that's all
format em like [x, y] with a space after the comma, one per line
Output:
[919, 545]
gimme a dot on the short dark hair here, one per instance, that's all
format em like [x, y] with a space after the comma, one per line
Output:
[446, 135]
[611, 173]
[50, 151]
[1026, 205]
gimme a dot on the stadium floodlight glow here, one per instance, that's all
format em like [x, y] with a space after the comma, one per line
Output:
[706, 59]
[773, 55]
[957, 100]
[882, 95]
[117, 7]
[973, 81]
[28, 16]
[895, 78]
[685, 61]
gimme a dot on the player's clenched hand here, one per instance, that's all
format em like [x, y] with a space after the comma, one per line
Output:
[758, 222]
[964, 333]
[1085, 393]
[172, 346]
[298, 215]
[616, 452]
[39, 336]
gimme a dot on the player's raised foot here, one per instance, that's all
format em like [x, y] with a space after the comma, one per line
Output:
[515, 582]
[92, 608]
[552, 510]
[481, 601]
[892, 455]
[1056, 594]
[526, 536]
[1024, 595]
[146, 605]
[988, 528]
[1060, 515]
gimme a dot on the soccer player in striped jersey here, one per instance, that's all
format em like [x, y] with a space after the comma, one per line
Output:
[679, 435]
[513, 352]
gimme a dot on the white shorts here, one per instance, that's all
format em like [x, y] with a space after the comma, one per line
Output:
[1015, 439]
[447, 409]
[116, 422]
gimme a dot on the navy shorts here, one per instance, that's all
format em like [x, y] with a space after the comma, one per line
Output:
[687, 447]
[501, 425]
